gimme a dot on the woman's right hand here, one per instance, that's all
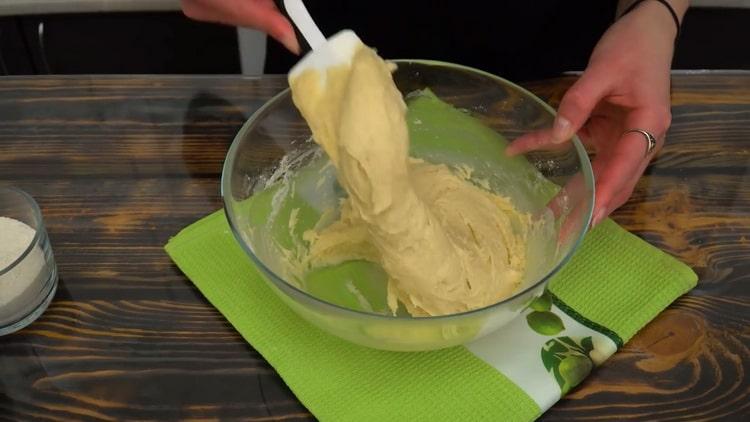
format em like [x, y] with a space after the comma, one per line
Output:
[258, 14]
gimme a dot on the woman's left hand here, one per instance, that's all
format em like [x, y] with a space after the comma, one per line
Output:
[626, 85]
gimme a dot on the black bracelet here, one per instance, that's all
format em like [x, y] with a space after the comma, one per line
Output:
[667, 5]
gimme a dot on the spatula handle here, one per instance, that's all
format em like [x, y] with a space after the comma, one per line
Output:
[307, 32]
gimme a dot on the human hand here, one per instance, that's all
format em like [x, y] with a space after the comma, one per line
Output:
[626, 85]
[259, 14]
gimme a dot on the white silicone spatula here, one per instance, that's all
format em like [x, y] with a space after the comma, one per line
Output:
[325, 52]
[304, 22]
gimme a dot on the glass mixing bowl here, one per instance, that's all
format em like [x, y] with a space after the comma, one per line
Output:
[277, 184]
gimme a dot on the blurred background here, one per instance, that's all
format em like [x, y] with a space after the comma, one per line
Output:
[153, 36]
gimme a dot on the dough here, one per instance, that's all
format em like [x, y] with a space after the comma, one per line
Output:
[447, 245]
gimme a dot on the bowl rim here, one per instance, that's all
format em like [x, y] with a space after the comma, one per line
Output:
[283, 284]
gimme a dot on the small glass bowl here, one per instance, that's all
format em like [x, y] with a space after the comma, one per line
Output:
[28, 282]
[274, 143]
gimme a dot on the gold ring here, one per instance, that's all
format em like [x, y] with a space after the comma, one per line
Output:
[650, 139]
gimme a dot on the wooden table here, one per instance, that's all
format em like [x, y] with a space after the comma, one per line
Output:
[120, 164]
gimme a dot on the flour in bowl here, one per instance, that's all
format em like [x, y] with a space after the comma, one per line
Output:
[18, 285]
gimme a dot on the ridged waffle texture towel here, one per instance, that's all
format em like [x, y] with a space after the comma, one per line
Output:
[616, 283]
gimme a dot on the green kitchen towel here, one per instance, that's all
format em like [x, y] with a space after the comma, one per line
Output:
[612, 287]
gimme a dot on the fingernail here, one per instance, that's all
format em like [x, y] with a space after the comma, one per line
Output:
[290, 42]
[560, 130]
[599, 215]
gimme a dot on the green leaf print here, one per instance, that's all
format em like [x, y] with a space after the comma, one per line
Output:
[549, 359]
[556, 347]
[552, 353]
[542, 303]
[588, 345]
[572, 344]
[545, 323]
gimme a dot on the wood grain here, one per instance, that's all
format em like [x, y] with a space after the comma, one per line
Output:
[120, 164]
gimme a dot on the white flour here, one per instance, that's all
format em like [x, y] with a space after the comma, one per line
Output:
[22, 283]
